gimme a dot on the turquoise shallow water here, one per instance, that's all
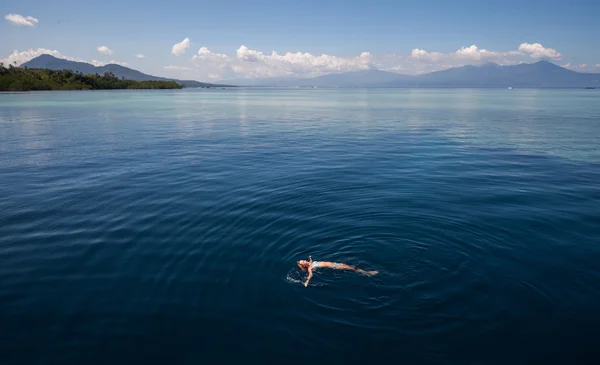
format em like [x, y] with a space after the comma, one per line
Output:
[164, 226]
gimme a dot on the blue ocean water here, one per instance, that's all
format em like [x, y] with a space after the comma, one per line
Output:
[164, 226]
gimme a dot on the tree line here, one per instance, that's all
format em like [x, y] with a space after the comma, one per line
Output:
[26, 79]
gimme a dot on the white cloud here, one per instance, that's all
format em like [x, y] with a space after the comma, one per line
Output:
[24, 56]
[177, 68]
[105, 50]
[250, 63]
[473, 53]
[181, 47]
[582, 67]
[21, 20]
[102, 63]
[206, 54]
[463, 56]
[140, 56]
[421, 61]
[308, 63]
[536, 50]
[422, 55]
[249, 55]
[597, 65]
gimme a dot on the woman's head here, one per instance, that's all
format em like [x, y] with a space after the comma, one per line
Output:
[303, 264]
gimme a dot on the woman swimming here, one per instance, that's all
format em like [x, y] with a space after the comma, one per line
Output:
[313, 265]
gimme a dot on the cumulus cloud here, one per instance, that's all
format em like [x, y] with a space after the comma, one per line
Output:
[105, 50]
[474, 53]
[140, 56]
[206, 54]
[465, 55]
[21, 20]
[177, 68]
[536, 50]
[306, 62]
[21, 57]
[101, 63]
[181, 47]
[421, 61]
[249, 55]
[422, 55]
[251, 63]
[245, 62]
[582, 67]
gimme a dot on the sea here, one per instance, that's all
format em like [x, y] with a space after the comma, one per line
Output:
[164, 226]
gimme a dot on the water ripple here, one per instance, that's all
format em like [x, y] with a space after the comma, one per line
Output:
[174, 217]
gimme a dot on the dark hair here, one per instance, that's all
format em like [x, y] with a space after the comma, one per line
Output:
[302, 267]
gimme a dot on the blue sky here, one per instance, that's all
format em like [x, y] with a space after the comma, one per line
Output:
[400, 36]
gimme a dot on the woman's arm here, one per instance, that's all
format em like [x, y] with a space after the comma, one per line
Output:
[309, 277]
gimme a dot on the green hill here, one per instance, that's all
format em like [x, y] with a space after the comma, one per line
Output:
[47, 61]
[26, 79]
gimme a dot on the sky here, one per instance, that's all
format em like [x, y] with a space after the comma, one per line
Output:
[221, 40]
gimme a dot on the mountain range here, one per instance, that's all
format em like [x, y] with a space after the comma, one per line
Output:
[539, 74]
[50, 62]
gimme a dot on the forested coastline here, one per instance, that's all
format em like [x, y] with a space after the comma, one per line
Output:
[28, 79]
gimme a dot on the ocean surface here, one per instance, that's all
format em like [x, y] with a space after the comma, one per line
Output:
[163, 227]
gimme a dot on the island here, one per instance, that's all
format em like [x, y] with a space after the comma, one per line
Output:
[29, 79]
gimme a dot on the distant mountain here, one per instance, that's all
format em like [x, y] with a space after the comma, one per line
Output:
[267, 81]
[365, 78]
[539, 74]
[345, 79]
[50, 62]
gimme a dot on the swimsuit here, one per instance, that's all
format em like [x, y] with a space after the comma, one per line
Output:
[315, 264]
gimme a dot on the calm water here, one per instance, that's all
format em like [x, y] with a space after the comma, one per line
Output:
[163, 226]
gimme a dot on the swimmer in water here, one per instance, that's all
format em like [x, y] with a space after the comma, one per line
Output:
[311, 265]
